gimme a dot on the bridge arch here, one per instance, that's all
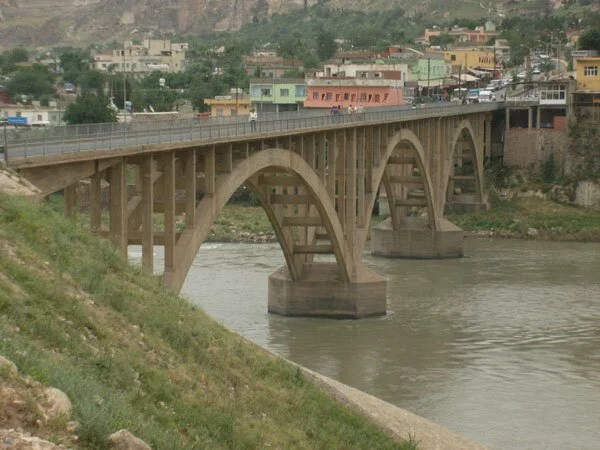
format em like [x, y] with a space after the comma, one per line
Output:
[248, 172]
[417, 153]
[465, 130]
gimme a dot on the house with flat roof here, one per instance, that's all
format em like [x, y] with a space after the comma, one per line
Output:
[370, 85]
[139, 60]
[277, 94]
[236, 103]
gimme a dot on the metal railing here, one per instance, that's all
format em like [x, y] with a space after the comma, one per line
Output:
[107, 136]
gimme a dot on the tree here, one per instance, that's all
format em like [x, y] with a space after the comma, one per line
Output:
[92, 80]
[326, 45]
[33, 81]
[590, 40]
[73, 63]
[90, 108]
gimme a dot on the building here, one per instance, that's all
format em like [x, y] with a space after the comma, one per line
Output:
[269, 65]
[141, 59]
[587, 93]
[479, 36]
[278, 94]
[237, 103]
[536, 127]
[33, 115]
[431, 72]
[369, 85]
[471, 58]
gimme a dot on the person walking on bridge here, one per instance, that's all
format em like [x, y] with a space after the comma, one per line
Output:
[252, 117]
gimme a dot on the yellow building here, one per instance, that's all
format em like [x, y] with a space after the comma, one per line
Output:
[471, 58]
[234, 104]
[588, 74]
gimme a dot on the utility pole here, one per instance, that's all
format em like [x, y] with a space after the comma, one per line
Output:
[5, 144]
[459, 76]
[428, 71]
[124, 89]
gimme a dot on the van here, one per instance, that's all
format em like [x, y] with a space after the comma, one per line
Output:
[486, 96]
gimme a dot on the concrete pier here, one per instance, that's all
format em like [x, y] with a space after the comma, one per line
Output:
[415, 239]
[321, 293]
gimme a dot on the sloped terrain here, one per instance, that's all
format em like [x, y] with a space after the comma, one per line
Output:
[129, 354]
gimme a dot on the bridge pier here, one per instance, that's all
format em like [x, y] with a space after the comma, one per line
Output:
[414, 238]
[320, 293]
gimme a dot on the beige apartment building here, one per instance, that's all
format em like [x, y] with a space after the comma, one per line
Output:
[139, 60]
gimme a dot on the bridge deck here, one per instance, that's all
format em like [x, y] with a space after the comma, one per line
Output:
[72, 143]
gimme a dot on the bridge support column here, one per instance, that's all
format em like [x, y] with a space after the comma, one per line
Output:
[320, 293]
[415, 239]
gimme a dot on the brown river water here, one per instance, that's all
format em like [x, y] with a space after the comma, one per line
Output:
[502, 346]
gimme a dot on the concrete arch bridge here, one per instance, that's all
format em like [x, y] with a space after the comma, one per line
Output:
[317, 182]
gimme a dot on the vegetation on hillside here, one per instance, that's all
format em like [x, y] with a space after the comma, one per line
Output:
[129, 354]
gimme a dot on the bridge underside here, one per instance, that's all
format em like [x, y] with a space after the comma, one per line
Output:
[318, 189]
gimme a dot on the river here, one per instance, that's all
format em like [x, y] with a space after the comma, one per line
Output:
[502, 346]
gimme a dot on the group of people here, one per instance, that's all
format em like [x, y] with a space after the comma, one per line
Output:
[352, 109]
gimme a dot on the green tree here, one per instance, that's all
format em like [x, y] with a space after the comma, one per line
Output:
[9, 59]
[74, 63]
[92, 80]
[590, 40]
[326, 45]
[33, 81]
[90, 108]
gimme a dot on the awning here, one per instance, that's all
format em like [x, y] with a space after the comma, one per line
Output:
[437, 83]
[465, 77]
[478, 73]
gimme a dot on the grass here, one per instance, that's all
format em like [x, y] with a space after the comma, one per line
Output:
[129, 354]
[516, 217]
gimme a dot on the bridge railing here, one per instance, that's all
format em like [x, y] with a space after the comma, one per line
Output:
[92, 137]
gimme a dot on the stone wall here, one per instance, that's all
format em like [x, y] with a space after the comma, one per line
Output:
[588, 194]
[528, 149]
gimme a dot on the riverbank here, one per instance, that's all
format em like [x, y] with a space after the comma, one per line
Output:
[528, 215]
[76, 316]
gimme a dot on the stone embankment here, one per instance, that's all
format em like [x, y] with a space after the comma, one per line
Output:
[398, 423]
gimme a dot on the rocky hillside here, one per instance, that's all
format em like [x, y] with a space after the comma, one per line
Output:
[40, 23]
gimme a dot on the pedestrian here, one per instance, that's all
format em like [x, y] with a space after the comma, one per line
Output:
[334, 114]
[252, 119]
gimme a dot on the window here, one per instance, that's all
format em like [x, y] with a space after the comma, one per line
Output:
[377, 98]
[452, 57]
[346, 96]
[284, 92]
[300, 91]
[232, 112]
[315, 95]
[363, 97]
[219, 111]
[39, 118]
[590, 71]
[385, 97]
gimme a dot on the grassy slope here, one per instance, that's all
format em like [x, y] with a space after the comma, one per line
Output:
[130, 355]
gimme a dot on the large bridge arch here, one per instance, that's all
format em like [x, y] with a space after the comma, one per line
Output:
[414, 144]
[464, 132]
[269, 160]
